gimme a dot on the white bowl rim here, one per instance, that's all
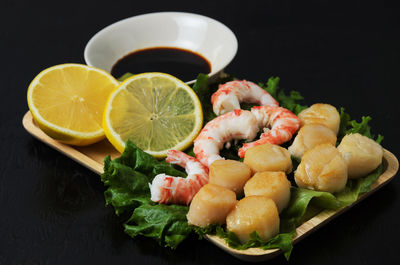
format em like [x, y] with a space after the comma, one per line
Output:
[111, 26]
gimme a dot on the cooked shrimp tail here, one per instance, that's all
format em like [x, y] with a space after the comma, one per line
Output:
[279, 125]
[229, 95]
[169, 189]
[193, 167]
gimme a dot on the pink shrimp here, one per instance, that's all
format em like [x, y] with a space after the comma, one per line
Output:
[229, 95]
[283, 123]
[168, 189]
[237, 124]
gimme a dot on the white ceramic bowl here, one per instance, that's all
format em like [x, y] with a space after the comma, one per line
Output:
[203, 35]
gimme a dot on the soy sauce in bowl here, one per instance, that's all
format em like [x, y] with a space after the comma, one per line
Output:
[181, 63]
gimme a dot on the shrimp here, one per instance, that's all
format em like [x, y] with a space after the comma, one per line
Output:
[237, 124]
[229, 95]
[168, 189]
[283, 123]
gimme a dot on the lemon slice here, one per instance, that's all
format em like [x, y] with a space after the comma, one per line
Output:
[67, 102]
[156, 111]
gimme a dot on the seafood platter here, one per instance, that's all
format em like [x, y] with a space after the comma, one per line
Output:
[245, 165]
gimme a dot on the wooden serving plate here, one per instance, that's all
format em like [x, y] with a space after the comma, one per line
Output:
[92, 157]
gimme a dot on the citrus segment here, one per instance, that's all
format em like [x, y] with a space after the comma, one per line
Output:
[156, 111]
[67, 102]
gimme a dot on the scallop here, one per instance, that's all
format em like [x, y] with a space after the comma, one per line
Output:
[230, 174]
[311, 135]
[361, 153]
[268, 157]
[254, 213]
[211, 205]
[322, 168]
[273, 185]
[323, 114]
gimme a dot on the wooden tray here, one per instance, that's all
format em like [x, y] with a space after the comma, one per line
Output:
[92, 157]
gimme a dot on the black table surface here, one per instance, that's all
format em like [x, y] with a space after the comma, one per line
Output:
[53, 210]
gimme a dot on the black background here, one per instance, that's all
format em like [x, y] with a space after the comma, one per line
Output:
[52, 209]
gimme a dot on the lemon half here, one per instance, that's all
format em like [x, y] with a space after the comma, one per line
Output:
[67, 102]
[156, 111]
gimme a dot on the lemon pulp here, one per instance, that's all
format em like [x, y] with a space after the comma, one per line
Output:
[156, 111]
[67, 102]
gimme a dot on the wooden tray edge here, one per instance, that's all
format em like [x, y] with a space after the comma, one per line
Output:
[251, 254]
[67, 150]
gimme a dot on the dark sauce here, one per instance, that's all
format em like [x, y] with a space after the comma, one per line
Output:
[181, 63]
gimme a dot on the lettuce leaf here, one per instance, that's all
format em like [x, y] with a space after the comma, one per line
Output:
[124, 76]
[283, 241]
[348, 126]
[167, 224]
[293, 215]
[126, 179]
[202, 89]
[272, 86]
[127, 188]
[291, 101]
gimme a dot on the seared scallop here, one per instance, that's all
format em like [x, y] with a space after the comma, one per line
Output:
[268, 157]
[254, 213]
[211, 205]
[311, 135]
[230, 174]
[361, 153]
[273, 185]
[323, 114]
[322, 168]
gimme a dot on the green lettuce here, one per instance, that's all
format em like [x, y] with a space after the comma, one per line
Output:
[301, 199]
[167, 224]
[348, 126]
[290, 102]
[204, 92]
[200, 87]
[124, 76]
[126, 179]
[283, 241]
